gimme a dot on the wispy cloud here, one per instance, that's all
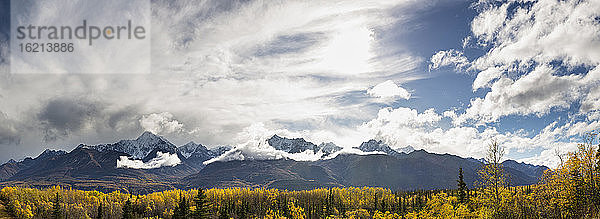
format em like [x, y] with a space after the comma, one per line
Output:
[220, 66]
[258, 37]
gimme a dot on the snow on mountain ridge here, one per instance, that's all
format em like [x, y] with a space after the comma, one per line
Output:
[273, 148]
[192, 149]
[407, 150]
[138, 148]
[50, 153]
[328, 148]
[295, 145]
[217, 151]
[373, 145]
[296, 148]
[299, 145]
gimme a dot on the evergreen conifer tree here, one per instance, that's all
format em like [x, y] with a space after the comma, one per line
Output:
[462, 187]
[56, 212]
[128, 210]
[183, 209]
[201, 206]
[99, 214]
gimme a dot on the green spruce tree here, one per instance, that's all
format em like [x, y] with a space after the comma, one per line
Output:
[201, 206]
[99, 213]
[56, 211]
[182, 211]
[462, 187]
[128, 210]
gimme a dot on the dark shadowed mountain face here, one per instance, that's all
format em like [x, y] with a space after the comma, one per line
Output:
[528, 169]
[417, 170]
[89, 169]
[95, 167]
[284, 174]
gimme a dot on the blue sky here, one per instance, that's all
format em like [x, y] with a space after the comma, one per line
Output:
[444, 76]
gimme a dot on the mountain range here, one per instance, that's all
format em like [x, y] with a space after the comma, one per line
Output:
[151, 163]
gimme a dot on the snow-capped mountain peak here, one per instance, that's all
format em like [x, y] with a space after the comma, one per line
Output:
[138, 148]
[50, 153]
[199, 151]
[407, 150]
[373, 145]
[193, 149]
[148, 138]
[217, 151]
[295, 145]
[328, 148]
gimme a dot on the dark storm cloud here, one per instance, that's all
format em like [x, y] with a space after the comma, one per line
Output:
[9, 132]
[59, 117]
[122, 117]
[4, 30]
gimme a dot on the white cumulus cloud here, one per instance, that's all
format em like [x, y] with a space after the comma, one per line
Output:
[261, 150]
[388, 90]
[539, 57]
[534, 93]
[256, 147]
[449, 58]
[404, 126]
[161, 160]
[160, 123]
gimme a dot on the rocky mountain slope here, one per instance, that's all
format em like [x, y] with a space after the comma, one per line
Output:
[95, 167]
